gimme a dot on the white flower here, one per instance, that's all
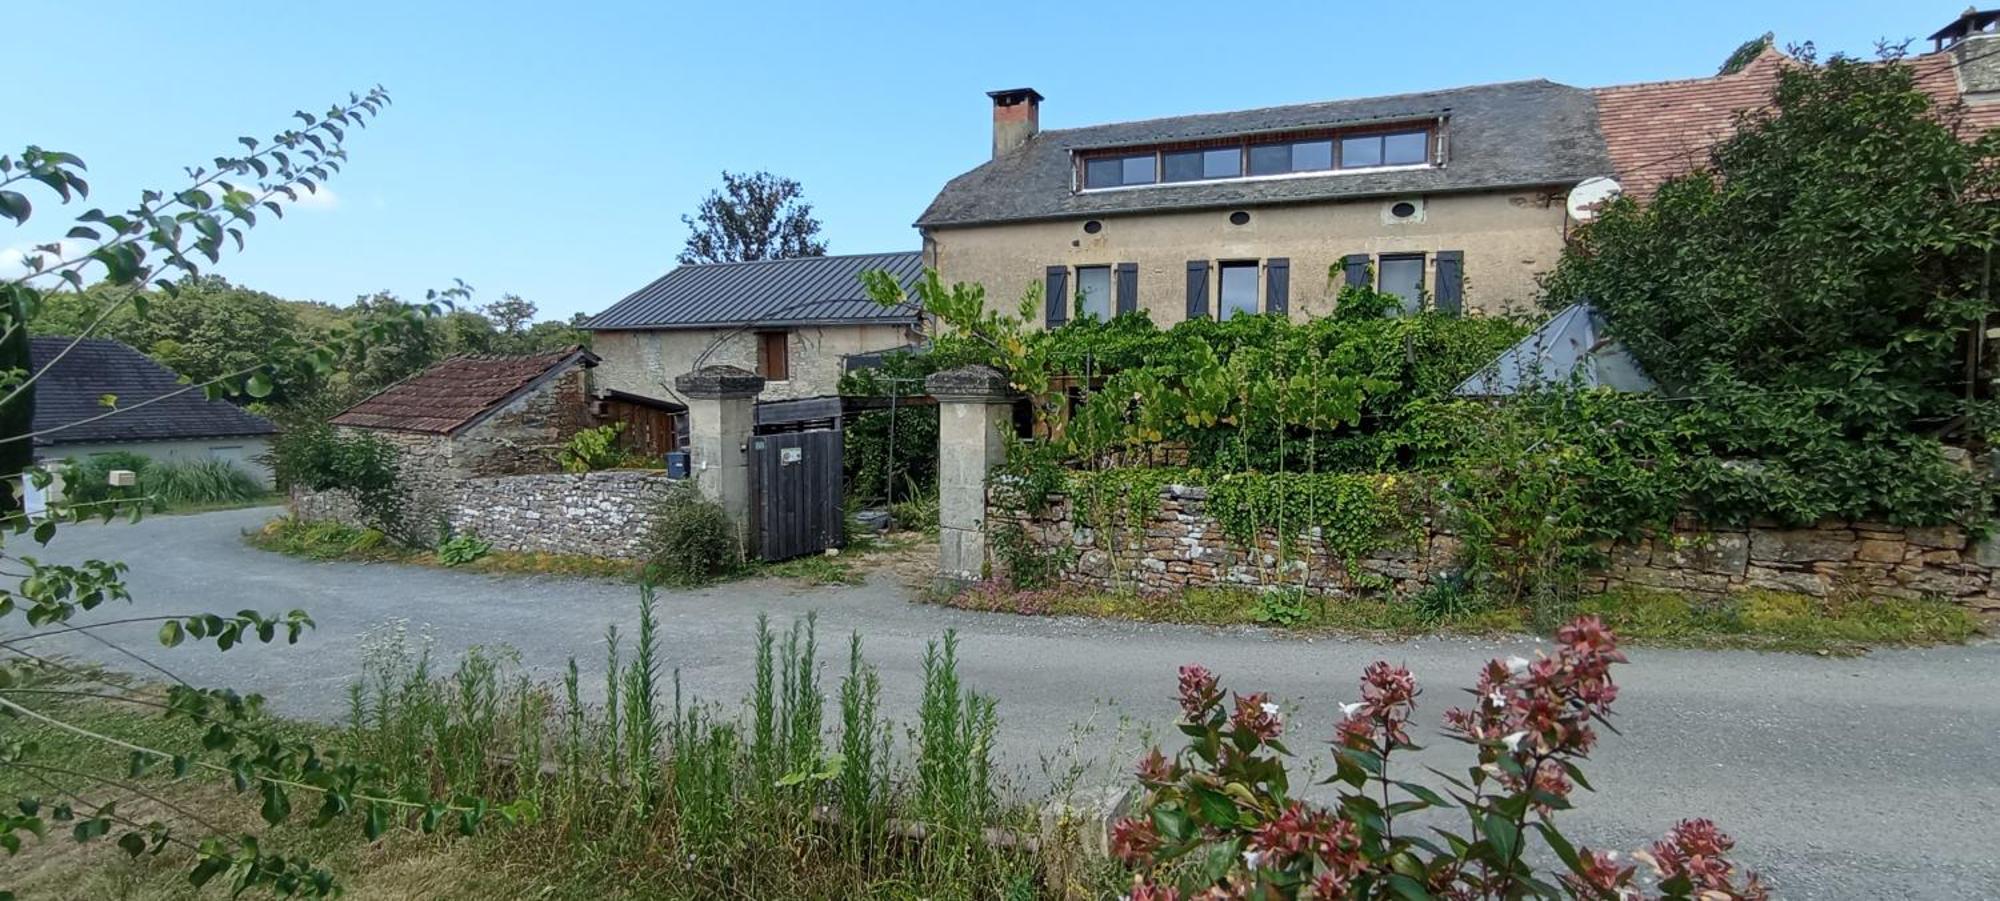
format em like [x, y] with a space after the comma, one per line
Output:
[1513, 741]
[1517, 664]
[1252, 858]
[1496, 699]
[1351, 709]
[1271, 709]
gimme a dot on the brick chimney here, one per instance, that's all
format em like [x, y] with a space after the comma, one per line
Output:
[1017, 115]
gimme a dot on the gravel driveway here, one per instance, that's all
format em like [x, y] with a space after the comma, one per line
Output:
[1842, 778]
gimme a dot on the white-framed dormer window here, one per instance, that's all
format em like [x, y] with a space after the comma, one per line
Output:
[1310, 152]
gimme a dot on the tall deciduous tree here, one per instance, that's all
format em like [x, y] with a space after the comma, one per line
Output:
[758, 216]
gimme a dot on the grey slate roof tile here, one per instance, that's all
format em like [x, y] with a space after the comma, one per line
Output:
[1510, 135]
[798, 291]
[74, 388]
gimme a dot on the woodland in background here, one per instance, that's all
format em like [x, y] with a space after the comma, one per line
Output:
[210, 327]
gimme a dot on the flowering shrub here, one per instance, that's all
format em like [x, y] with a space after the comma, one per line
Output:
[1219, 819]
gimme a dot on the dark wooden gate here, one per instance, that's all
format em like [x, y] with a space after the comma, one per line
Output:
[796, 493]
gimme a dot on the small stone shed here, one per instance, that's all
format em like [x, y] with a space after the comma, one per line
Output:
[476, 416]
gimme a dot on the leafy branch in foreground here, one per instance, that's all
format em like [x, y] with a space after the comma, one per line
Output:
[170, 234]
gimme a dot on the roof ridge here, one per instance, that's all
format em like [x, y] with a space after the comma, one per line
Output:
[1283, 106]
[824, 256]
[1742, 73]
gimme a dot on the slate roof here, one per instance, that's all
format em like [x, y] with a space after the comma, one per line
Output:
[1515, 134]
[1657, 130]
[457, 392]
[798, 291]
[73, 390]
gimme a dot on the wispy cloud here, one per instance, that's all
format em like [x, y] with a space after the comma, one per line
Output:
[313, 201]
[14, 260]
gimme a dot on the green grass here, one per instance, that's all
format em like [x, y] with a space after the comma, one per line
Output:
[327, 540]
[1757, 619]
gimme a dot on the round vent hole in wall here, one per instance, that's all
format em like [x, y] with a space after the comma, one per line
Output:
[1239, 218]
[1092, 227]
[1403, 209]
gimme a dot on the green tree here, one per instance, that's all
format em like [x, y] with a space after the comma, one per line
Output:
[757, 216]
[1820, 291]
[511, 314]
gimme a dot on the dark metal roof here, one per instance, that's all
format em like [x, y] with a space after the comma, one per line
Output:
[799, 291]
[1511, 135]
[76, 386]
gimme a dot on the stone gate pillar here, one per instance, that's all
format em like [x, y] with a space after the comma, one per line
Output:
[721, 419]
[975, 416]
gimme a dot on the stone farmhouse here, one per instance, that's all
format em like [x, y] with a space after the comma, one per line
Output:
[1457, 198]
[791, 322]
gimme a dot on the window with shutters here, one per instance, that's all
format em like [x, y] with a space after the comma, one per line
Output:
[1402, 274]
[1304, 152]
[1237, 290]
[774, 356]
[1093, 287]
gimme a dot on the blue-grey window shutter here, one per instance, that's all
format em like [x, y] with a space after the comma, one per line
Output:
[1354, 273]
[1058, 296]
[1277, 286]
[1197, 289]
[1450, 294]
[1128, 288]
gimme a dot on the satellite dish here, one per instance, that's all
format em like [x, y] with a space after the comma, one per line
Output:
[1589, 193]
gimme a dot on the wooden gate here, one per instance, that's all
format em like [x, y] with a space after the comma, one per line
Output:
[796, 494]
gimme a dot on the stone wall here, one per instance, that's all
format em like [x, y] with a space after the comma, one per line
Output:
[593, 514]
[1181, 546]
[525, 435]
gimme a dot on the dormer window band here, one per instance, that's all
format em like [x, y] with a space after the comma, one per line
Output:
[1306, 152]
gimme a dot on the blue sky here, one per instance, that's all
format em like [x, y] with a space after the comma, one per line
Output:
[549, 150]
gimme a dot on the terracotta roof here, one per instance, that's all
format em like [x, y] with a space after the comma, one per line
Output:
[456, 392]
[1657, 130]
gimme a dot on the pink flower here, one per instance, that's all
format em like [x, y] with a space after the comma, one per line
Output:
[1602, 877]
[1696, 849]
[1134, 840]
[1199, 692]
[1145, 890]
[1156, 770]
[1256, 715]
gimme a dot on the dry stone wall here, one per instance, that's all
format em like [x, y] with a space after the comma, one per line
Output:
[1182, 546]
[594, 514]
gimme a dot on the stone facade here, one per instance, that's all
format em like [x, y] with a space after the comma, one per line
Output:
[1508, 238]
[1182, 546]
[593, 514]
[646, 362]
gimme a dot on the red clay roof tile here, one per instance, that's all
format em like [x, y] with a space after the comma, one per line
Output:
[453, 393]
[1657, 130]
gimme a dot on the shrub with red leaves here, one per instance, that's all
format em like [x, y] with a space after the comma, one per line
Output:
[1218, 820]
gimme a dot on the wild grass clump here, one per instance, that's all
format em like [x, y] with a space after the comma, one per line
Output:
[795, 791]
[178, 484]
[167, 484]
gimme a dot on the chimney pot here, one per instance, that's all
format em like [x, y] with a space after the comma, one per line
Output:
[1017, 116]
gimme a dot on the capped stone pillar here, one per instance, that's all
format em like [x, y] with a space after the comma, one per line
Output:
[975, 416]
[721, 419]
